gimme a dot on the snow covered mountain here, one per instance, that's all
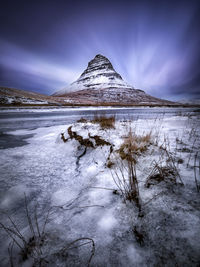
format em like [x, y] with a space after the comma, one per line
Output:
[99, 74]
[101, 84]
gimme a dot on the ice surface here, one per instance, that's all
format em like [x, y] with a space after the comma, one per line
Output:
[107, 223]
[134, 256]
[13, 195]
[80, 193]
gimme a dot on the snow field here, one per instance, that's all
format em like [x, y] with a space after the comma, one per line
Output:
[80, 193]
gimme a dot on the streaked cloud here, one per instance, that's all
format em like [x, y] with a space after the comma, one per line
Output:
[154, 45]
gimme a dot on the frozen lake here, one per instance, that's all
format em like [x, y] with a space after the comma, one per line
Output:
[37, 162]
[14, 119]
[21, 118]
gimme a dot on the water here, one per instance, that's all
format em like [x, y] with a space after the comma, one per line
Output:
[11, 141]
[30, 119]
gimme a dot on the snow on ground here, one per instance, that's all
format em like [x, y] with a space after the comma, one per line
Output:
[75, 183]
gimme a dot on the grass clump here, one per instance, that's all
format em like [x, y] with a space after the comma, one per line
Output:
[159, 174]
[124, 175]
[30, 246]
[37, 245]
[105, 122]
[82, 120]
[134, 145]
[110, 164]
[137, 143]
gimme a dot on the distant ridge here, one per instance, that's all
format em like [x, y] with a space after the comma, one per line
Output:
[12, 96]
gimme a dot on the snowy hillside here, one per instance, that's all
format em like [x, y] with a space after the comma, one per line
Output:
[12, 96]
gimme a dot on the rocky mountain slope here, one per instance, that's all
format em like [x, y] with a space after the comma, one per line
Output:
[100, 84]
[11, 96]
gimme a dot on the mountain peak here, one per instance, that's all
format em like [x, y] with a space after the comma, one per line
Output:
[99, 65]
[100, 83]
[100, 56]
[99, 60]
[99, 74]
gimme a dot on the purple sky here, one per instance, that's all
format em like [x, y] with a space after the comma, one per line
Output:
[154, 45]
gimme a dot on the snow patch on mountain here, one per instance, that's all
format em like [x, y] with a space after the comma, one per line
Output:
[99, 74]
[101, 84]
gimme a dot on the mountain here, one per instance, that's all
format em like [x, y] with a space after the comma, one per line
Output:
[12, 96]
[99, 74]
[190, 101]
[101, 84]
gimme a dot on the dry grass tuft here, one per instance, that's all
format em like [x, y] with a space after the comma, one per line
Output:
[159, 174]
[37, 245]
[31, 246]
[82, 120]
[138, 139]
[124, 175]
[134, 145]
[105, 122]
[110, 164]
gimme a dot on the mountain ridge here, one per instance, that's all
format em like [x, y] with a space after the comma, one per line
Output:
[18, 97]
[13, 96]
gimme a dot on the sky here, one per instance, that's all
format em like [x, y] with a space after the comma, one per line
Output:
[154, 44]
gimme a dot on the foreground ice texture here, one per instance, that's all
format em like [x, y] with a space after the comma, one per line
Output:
[56, 174]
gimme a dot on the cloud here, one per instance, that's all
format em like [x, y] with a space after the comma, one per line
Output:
[19, 61]
[154, 44]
